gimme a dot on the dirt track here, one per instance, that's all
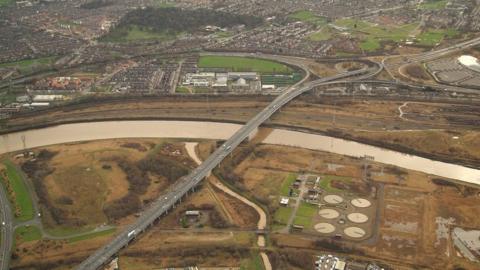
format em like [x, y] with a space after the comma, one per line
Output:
[262, 222]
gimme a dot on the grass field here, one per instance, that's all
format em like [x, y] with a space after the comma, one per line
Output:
[4, 3]
[182, 90]
[253, 263]
[31, 64]
[308, 17]
[163, 4]
[326, 182]
[433, 4]
[22, 198]
[322, 35]
[281, 80]
[282, 215]
[432, 37]
[287, 183]
[27, 234]
[91, 235]
[243, 64]
[305, 214]
[134, 33]
[372, 35]
[66, 232]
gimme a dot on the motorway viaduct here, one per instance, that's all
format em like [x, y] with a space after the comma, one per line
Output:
[187, 184]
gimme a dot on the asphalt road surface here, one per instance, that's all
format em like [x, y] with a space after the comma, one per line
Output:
[6, 227]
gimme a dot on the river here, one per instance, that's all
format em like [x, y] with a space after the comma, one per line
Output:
[221, 131]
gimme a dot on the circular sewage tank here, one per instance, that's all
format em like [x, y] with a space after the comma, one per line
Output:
[354, 232]
[333, 199]
[328, 213]
[357, 217]
[361, 203]
[324, 228]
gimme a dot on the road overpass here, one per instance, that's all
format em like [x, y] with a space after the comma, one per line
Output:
[188, 183]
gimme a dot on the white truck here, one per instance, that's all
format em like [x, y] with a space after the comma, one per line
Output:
[132, 233]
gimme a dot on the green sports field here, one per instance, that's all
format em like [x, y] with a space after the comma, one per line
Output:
[308, 17]
[244, 64]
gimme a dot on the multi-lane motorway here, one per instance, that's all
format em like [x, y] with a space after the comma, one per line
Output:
[427, 56]
[6, 228]
[188, 183]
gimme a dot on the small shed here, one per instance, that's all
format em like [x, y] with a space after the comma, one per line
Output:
[192, 213]
[284, 201]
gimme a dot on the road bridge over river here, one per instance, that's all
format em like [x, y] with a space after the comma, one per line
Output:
[188, 183]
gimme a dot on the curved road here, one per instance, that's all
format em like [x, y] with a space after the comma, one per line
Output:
[188, 183]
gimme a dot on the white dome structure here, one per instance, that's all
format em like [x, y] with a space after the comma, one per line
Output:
[469, 62]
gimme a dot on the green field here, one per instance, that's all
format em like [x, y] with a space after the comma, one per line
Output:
[305, 215]
[255, 262]
[31, 64]
[282, 215]
[135, 33]
[4, 3]
[326, 182]
[433, 4]
[370, 45]
[322, 35]
[224, 34]
[287, 183]
[432, 37]
[308, 17]
[66, 232]
[91, 235]
[182, 90]
[27, 234]
[163, 4]
[281, 80]
[244, 64]
[22, 198]
[372, 35]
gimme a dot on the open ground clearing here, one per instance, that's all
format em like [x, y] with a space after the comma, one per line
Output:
[219, 210]
[81, 185]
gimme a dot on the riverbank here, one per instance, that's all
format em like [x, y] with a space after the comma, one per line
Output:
[373, 122]
[336, 133]
[221, 131]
